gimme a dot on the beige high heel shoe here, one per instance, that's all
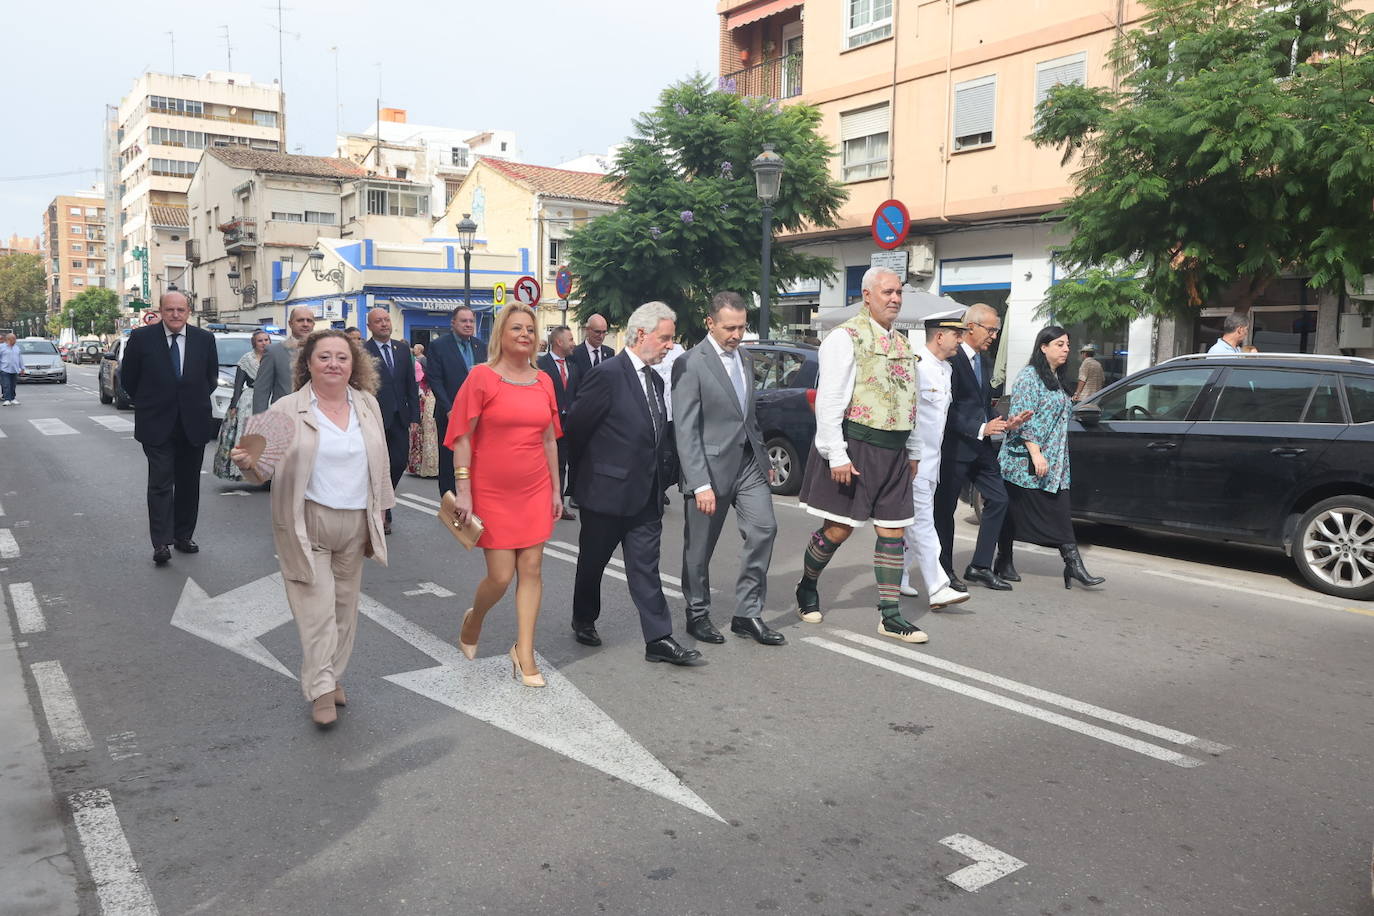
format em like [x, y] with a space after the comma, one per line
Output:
[529, 680]
[469, 650]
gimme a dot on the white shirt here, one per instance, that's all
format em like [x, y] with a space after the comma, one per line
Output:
[834, 389]
[644, 385]
[733, 365]
[339, 478]
[935, 378]
[665, 372]
[972, 356]
[181, 346]
[592, 353]
[1224, 346]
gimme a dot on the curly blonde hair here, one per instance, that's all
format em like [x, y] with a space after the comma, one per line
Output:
[498, 330]
[364, 377]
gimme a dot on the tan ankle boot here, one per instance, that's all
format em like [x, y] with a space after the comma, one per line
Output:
[322, 710]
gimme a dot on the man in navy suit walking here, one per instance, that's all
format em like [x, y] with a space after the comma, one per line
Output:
[969, 454]
[170, 370]
[451, 356]
[398, 394]
[564, 374]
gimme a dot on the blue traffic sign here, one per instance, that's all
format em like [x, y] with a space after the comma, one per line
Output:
[563, 282]
[890, 224]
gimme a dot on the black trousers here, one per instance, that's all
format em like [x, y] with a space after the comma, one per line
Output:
[563, 474]
[398, 449]
[173, 488]
[445, 454]
[987, 479]
[639, 537]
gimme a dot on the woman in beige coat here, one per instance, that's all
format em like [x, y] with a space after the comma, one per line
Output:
[333, 487]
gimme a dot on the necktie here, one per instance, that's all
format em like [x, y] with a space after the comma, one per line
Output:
[978, 371]
[562, 370]
[737, 377]
[596, 357]
[176, 355]
[655, 407]
[386, 358]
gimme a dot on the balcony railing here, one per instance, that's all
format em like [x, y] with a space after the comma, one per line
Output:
[239, 234]
[775, 78]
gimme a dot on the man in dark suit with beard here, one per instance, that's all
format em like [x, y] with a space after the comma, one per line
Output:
[556, 365]
[618, 437]
[451, 357]
[170, 370]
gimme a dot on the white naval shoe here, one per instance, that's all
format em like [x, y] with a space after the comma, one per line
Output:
[947, 596]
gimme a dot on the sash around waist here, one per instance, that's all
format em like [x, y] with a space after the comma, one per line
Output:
[894, 439]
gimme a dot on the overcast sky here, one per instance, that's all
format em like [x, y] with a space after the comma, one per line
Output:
[566, 76]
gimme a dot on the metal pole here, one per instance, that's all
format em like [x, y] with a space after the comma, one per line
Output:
[467, 278]
[764, 317]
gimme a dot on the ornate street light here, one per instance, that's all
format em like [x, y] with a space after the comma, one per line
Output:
[768, 167]
[467, 232]
[236, 283]
[334, 275]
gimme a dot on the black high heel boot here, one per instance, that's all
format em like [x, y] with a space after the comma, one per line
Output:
[1074, 569]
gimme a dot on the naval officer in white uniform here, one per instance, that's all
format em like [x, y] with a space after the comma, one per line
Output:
[921, 545]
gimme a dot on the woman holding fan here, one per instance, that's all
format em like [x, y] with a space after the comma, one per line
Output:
[326, 449]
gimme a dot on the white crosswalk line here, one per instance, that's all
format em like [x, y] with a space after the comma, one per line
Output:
[51, 426]
[2, 434]
[27, 610]
[115, 424]
[9, 547]
[65, 723]
[119, 882]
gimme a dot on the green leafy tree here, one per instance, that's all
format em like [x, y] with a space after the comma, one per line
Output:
[1239, 146]
[23, 286]
[94, 311]
[691, 221]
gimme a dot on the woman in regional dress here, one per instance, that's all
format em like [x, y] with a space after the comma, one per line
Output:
[240, 406]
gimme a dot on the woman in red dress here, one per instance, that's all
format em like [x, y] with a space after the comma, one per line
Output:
[503, 430]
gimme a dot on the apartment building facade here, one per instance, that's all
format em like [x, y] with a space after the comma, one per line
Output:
[155, 140]
[75, 246]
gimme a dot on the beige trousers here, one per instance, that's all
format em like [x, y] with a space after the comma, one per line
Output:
[326, 611]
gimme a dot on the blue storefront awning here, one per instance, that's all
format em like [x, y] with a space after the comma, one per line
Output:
[479, 301]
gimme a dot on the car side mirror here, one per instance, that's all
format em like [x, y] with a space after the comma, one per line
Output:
[1088, 414]
[108, 354]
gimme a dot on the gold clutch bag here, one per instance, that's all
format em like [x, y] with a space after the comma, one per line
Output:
[468, 534]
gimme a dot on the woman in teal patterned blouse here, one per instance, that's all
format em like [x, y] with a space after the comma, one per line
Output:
[1035, 456]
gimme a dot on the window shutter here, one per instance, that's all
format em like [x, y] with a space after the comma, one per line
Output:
[975, 106]
[1071, 70]
[864, 122]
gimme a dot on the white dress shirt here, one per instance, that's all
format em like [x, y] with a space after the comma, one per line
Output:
[834, 389]
[339, 478]
[181, 346]
[935, 377]
[639, 365]
[593, 353]
[972, 356]
[665, 372]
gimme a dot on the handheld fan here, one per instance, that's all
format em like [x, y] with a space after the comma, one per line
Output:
[266, 438]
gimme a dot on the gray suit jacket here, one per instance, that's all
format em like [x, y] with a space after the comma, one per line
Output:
[711, 431]
[274, 380]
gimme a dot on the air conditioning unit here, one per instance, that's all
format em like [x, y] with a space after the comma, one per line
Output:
[1364, 291]
[1356, 331]
[921, 257]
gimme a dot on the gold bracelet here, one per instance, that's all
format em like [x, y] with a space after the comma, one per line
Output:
[462, 473]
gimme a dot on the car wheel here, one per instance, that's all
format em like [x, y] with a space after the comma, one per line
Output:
[1334, 546]
[104, 397]
[786, 465]
[121, 400]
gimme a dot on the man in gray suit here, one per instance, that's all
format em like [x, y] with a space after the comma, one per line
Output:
[276, 374]
[720, 448]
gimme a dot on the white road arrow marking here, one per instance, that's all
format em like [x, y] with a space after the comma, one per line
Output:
[236, 493]
[430, 588]
[560, 717]
[237, 618]
[990, 864]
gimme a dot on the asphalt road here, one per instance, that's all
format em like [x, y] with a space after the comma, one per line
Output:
[1196, 737]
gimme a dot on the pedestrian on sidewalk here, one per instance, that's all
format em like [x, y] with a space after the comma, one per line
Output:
[333, 486]
[865, 451]
[240, 407]
[1035, 456]
[503, 432]
[170, 370]
[11, 367]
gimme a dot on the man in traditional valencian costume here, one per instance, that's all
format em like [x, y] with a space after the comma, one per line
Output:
[864, 456]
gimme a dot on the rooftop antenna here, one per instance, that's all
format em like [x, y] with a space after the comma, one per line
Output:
[338, 105]
[228, 50]
[173, 37]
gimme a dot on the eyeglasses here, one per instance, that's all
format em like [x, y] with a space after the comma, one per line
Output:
[992, 331]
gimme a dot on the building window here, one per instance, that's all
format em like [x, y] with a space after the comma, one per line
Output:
[1062, 71]
[166, 136]
[863, 142]
[385, 202]
[975, 109]
[556, 253]
[265, 118]
[459, 156]
[320, 217]
[77, 230]
[77, 246]
[76, 262]
[503, 146]
[173, 168]
[287, 217]
[401, 173]
[77, 281]
[376, 202]
[867, 21]
[75, 211]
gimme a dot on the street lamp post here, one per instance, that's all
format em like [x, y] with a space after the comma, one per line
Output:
[767, 168]
[467, 231]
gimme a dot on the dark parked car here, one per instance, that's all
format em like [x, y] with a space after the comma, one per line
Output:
[1275, 450]
[42, 362]
[108, 384]
[783, 372]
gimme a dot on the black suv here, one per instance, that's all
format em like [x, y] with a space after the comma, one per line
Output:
[1275, 450]
[783, 371]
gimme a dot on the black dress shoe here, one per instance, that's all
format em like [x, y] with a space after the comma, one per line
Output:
[186, 545]
[703, 630]
[161, 554]
[987, 578]
[756, 629]
[586, 635]
[668, 650]
[1006, 570]
[957, 584]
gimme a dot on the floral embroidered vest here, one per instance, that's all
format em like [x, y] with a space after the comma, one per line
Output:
[885, 386]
